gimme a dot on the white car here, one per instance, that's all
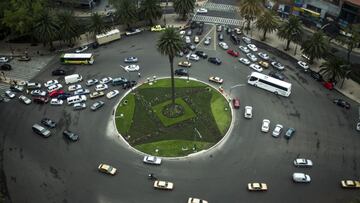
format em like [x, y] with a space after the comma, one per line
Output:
[358, 126]
[196, 200]
[105, 168]
[256, 67]
[50, 83]
[244, 49]
[4, 59]
[131, 59]
[248, 112]
[133, 31]
[38, 93]
[54, 87]
[244, 61]
[152, 160]
[246, 40]
[202, 10]
[81, 49]
[196, 39]
[79, 106]
[303, 65]
[277, 65]
[277, 130]
[193, 57]
[252, 57]
[207, 41]
[91, 82]
[81, 91]
[56, 102]
[101, 87]
[300, 162]
[112, 94]
[265, 127]
[301, 178]
[132, 67]
[216, 79]
[24, 99]
[252, 47]
[105, 80]
[9, 94]
[263, 56]
[223, 45]
[164, 185]
[74, 87]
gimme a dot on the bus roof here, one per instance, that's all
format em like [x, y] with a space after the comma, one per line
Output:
[111, 32]
[76, 55]
[271, 79]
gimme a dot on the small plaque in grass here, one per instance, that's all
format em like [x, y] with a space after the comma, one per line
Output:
[182, 112]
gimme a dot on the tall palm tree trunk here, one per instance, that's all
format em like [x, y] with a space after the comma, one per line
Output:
[264, 35]
[171, 60]
[287, 45]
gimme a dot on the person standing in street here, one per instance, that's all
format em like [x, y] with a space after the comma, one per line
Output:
[139, 74]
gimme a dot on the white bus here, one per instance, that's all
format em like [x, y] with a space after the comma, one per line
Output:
[269, 83]
[76, 58]
[108, 36]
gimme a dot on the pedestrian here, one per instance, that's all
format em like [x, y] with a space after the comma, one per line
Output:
[139, 74]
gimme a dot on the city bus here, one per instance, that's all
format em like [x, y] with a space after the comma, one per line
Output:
[271, 84]
[77, 58]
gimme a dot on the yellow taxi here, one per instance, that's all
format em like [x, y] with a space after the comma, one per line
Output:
[157, 28]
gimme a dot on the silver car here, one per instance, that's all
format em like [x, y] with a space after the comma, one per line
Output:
[97, 105]
[301, 162]
[152, 160]
[277, 130]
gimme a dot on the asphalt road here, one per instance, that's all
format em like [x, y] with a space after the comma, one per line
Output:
[53, 170]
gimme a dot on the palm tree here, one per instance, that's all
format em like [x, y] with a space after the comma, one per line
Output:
[169, 44]
[69, 27]
[316, 46]
[97, 25]
[126, 12]
[290, 30]
[335, 69]
[353, 41]
[249, 9]
[151, 10]
[184, 7]
[267, 22]
[46, 28]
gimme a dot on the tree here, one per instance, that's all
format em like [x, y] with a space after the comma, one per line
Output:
[184, 7]
[290, 30]
[169, 44]
[151, 10]
[69, 27]
[97, 25]
[334, 68]
[316, 46]
[46, 28]
[249, 9]
[351, 41]
[267, 22]
[126, 12]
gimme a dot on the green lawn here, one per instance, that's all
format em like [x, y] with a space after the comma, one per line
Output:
[123, 122]
[221, 112]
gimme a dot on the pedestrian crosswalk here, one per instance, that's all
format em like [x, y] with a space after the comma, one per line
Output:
[217, 20]
[221, 7]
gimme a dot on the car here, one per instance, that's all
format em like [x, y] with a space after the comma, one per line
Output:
[184, 64]
[54, 87]
[328, 85]
[252, 57]
[48, 122]
[96, 94]
[182, 33]
[91, 82]
[71, 135]
[187, 40]
[256, 67]
[119, 81]
[252, 47]
[95, 106]
[180, 54]
[181, 72]
[107, 169]
[228, 30]
[235, 39]
[219, 28]
[301, 162]
[265, 127]
[152, 160]
[216, 79]
[24, 58]
[81, 91]
[200, 31]
[191, 47]
[289, 133]
[131, 68]
[129, 84]
[246, 40]
[50, 83]
[40, 130]
[196, 200]
[306, 57]
[81, 49]
[101, 87]
[189, 32]
[277, 75]
[105, 80]
[193, 25]
[277, 65]
[220, 37]
[244, 61]
[264, 64]
[64, 96]
[223, 45]
[79, 106]
[207, 40]
[358, 126]
[237, 31]
[301, 178]
[10, 94]
[277, 130]
[201, 54]
[236, 103]
[74, 87]
[56, 102]
[24, 99]
[40, 100]
[214, 60]
[351, 184]
[303, 65]
[33, 85]
[131, 59]
[5, 67]
[233, 53]
[164, 185]
[263, 55]
[58, 72]
[132, 31]
[244, 49]
[192, 57]
[4, 59]
[157, 28]
[17, 88]
[342, 103]
[112, 94]
[248, 112]
[202, 10]
[196, 39]
[316, 75]
[38, 93]
[257, 187]
[201, 24]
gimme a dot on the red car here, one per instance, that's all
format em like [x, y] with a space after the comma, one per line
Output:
[233, 53]
[236, 103]
[328, 85]
[55, 93]
[41, 100]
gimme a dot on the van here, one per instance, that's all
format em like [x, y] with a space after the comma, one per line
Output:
[40, 130]
[76, 99]
[74, 78]
[119, 81]
[33, 85]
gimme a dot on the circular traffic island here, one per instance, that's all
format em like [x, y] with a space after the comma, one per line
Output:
[150, 122]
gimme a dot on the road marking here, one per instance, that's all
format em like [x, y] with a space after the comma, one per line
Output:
[217, 20]
[221, 7]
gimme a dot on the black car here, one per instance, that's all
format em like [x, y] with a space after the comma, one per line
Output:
[64, 96]
[193, 25]
[58, 72]
[200, 31]
[342, 103]
[5, 67]
[201, 54]
[221, 37]
[201, 25]
[317, 76]
[228, 30]
[191, 47]
[235, 39]
[71, 135]
[214, 60]
[277, 75]
[181, 72]
[129, 84]
[48, 122]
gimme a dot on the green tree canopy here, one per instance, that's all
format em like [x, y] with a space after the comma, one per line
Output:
[316, 46]
[184, 7]
[352, 41]
[249, 9]
[151, 10]
[126, 12]
[335, 69]
[46, 28]
[267, 22]
[69, 26]
[97, 25]
[290, 30]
